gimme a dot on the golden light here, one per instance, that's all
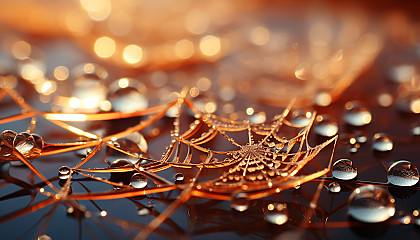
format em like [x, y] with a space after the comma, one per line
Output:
[132, 54]
[210, 45]
[415, 106]
[74, 102]
[90, 102]
[81, 132]
[32, 72]
[104, 47]
[323, 99]
[184, 49]
[249, 111]
[66, 117]
[21, 50]
[123, 83]
[106, 106]
[260, 35]
[103, 213]
[97, 10]
[61, 73]
[46, 87]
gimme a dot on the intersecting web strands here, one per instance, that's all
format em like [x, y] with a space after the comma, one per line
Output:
[215, 158]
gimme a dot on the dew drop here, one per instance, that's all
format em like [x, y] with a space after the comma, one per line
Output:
[240, 202]
[179, 177]
[119, 163]
[325, 126]
[64, 172]
[143, 212]
[356, 114]
[343, 169]
[126, 95]
[381, 142]
[301, 118]
[138, 181]
[334, 187]
[403, 173]
[24, 142]
[371, 204]
[277, 213]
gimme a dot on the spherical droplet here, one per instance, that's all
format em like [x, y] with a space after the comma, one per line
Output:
[403, 173]
[138, 181]
[179, 177]
[277, 213]
[371, 204]
[240, 202]
[356, 114]
[120, 163]
[343, 169]
[325, 126]
[381, 142]
[301, 118]
[334, 187]
[64, 172]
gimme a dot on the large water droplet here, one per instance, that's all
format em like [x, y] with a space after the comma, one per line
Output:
[64, 172]
[325, 126]
[409, 103]
[356, 114]
[121, 163]
[277, 213]
[381, 142]
[24, 142]
[371, 204]
[240, 202]
[403, 173]
[134, 144]
[138, 181]
[128, 95]
[334, 187]
[343, 169]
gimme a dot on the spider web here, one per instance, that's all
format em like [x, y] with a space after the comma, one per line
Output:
[266, 164]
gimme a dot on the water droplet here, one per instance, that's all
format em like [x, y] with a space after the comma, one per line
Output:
[127, 95]
[403, 173]
[179, 177]
[44, 237]
[343, 169]
[143, 212]
[409, 103]
[24, 142]
[240, 202]
[120, 163]
[277, 213]
[301, 118]
[64, 172]
[415, 129]
[334, 187]
[135, 144]
[356, 114]
[404, 218]
[371, 204]
[381, 142]
[325, 126]
[138, 181]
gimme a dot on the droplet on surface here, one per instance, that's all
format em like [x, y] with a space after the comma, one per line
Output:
[343, 169]
[326, 126]
[138, 181]
[127, 95]
[403, 173]
[64, 172]
[334, 187]
[24, 142]
[381, 142]
[143, 212]
[356, 114]
[121, 163]
[240, 202]
[301, 118]
[277, 213]
[179, 177]
[371, 204]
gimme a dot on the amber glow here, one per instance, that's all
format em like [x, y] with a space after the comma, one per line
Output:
[132, 54]
[104, 47]
[61, 73]
[210, 45]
